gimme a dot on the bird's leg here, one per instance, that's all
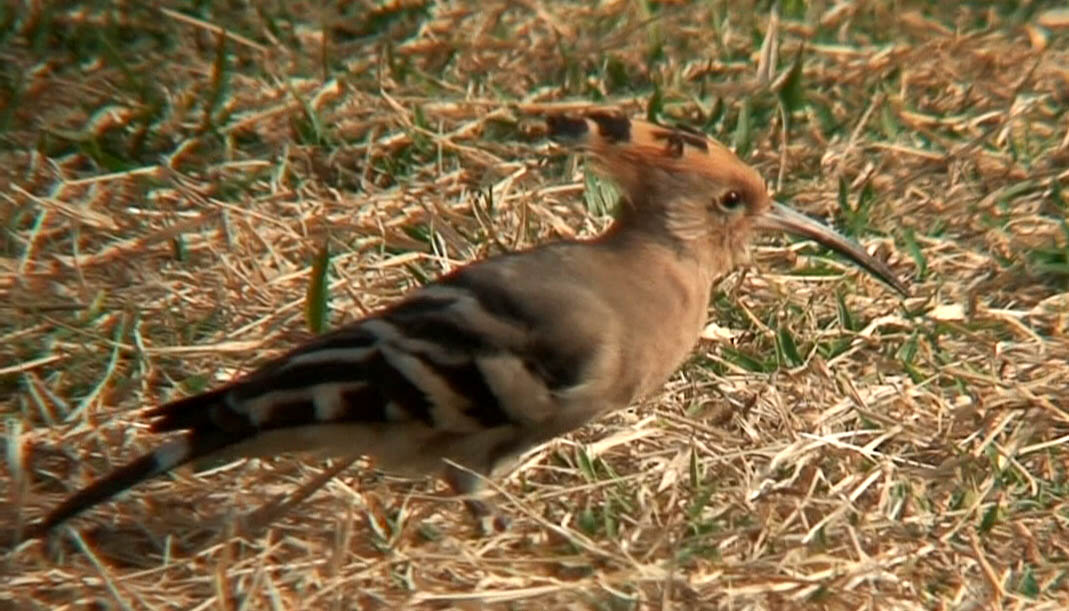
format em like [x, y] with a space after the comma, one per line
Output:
[467, 484]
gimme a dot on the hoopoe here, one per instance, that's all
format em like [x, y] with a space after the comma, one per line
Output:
[503, 354]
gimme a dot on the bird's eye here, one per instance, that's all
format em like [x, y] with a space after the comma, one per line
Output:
[731, 201]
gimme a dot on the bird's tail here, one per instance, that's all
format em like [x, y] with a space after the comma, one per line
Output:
[202, 439]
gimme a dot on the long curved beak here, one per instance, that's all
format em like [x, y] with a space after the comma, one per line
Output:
[782, 218]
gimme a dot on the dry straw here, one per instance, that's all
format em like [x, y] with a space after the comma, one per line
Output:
[167, 177]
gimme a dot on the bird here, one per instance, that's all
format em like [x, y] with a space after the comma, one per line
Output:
[461, 376]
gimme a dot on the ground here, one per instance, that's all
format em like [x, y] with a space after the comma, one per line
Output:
[169, 178]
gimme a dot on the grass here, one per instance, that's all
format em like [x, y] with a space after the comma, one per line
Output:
[185, 190]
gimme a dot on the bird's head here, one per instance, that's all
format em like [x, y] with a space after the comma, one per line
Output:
[693, 188]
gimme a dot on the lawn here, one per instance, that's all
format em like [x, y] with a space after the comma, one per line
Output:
[188, 189]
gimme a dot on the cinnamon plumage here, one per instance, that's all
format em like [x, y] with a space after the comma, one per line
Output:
[505, 353]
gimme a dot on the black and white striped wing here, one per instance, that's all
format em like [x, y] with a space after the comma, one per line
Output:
[446, 373]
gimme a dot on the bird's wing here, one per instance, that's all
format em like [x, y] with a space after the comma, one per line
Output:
[467, 369]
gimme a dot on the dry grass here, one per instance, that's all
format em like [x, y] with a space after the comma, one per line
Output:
[164, 189]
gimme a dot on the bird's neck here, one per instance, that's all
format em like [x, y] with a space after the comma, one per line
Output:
[644, 226]
[661, 294]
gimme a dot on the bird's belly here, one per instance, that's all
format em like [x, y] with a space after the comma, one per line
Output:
[405, 449]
